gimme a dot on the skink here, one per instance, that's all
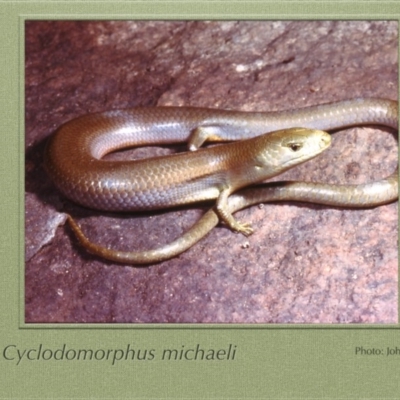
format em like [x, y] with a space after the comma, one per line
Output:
[73, 160]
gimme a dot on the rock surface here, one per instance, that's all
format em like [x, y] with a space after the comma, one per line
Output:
[304, 264]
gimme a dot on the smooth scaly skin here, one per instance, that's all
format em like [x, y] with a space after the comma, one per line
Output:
[206, 174]
[166, 125]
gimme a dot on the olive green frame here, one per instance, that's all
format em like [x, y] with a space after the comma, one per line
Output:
[270, 362]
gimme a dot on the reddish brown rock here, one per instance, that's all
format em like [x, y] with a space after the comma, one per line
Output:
[304, 264]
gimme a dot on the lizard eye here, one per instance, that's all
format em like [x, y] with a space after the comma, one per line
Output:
[295, 146]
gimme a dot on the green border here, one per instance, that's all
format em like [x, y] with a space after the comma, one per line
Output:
[272, 362]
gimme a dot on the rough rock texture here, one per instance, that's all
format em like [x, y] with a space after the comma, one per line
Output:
[304, 264]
